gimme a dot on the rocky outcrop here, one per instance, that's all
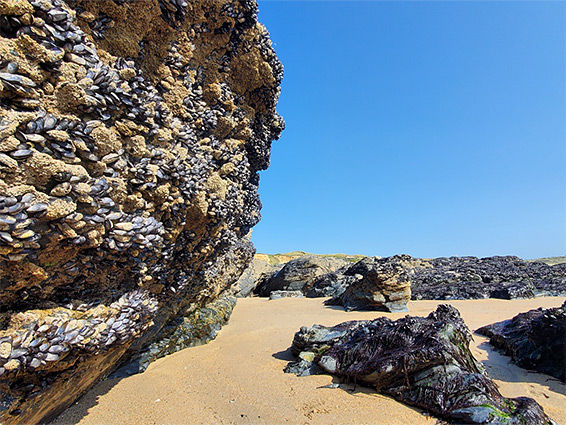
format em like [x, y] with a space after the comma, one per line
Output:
[535, 340]
[491, 277]
[194, 326]
[332, 284]
[300, 274]
[131, 136]
[380, 284]
[257, 274]
[441, 279]
[424, 362]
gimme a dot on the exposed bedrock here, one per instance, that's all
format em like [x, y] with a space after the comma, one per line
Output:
[256, 275]
[299, 274]
[424, 362]
[535, 340]
[131, 136]
[373, 282]
[378, 284]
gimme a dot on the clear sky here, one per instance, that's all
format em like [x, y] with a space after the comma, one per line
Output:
[431, 128]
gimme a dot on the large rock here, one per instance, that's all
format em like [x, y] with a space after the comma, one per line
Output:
[257, 274]
[534, 340]
[300, 274]
[131, 136]
[424, 362]
[380, 284]
[332, 284]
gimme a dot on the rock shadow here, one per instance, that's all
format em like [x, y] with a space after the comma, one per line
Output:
[80, 408]
[502, 368]
[285, 355]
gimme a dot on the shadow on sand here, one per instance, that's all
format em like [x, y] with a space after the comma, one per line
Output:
[80, 408]
[502, 368]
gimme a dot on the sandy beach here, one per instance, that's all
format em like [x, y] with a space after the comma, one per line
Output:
[238, 378]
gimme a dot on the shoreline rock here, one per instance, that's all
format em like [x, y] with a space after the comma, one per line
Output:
[424, 362]
[535, 340]
[438, 278]
[131, 137]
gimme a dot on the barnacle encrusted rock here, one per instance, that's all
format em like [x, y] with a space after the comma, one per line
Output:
[131, 136]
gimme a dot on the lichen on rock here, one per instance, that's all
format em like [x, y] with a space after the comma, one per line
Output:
[131, 134]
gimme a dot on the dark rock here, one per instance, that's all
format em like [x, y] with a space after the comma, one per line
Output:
[491, 277]
[535, 340]
[257, 274]
[385, 284]
[285, 294]
[332, 285]
[300, 274]
[424, 362]
[445, 279]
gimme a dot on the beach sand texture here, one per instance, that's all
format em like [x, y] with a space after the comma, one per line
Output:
[238, 378]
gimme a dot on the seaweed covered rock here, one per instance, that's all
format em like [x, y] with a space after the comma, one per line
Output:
[131, 136]
[385, 284]
[424, 362]
[535, 340]
[443, 279]
[300, 274]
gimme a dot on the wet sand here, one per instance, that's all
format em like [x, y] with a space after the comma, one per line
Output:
[238, 378]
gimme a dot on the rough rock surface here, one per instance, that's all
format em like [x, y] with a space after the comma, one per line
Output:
[275, 295]
[441, 279]
[491, 277]
[380, 284]
[300, 274]
[425, 362]
[258, 272]
[534, 340]
[332, 285]
[195, 326]
[131, 134]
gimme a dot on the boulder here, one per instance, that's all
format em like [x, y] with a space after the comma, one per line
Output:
[300, 274]
[535, 340]
[275, 295]
[257, 274]
[423, 362]
[385, 284]
[332, 285]
[131, 137]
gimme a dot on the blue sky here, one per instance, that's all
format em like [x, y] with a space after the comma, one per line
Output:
[426, 128]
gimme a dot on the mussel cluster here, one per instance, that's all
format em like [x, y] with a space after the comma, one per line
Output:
[52, 339]
[128, 183]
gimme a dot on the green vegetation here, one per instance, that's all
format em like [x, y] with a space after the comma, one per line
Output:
[496, 411]
[288, 256]
[550, 260]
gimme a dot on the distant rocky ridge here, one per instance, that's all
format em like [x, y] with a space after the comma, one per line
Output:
[388, 283]
[131, 136]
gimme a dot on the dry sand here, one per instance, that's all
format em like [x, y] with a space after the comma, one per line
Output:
[238, 378]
